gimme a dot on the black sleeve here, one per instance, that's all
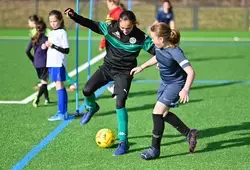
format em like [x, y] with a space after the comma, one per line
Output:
[28, 49]
[62, 50]
[152, 50]
[93, 25]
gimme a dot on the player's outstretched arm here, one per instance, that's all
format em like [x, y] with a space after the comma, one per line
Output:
[148, 63]
[93, 25]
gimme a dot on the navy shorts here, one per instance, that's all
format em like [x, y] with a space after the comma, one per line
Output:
[57, 73]
[168, 94]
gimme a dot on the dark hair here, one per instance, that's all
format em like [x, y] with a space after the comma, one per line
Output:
[170, 35]
[35, 18]
[128, 15]
[40, 31]
[170, 5]
[116, 2]
[59, 16]
[122, 6]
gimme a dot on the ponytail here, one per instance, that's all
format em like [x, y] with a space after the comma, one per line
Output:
[40, 31]
[169, 35]
[174, 38]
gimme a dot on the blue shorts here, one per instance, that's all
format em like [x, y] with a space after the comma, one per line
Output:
[168, 94]
[57, 73]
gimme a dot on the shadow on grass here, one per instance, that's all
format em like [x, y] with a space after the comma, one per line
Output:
[48, 105]
[133, 94]
[140, 108]
[212, 146]
[154, 92]
[74, 100]
[216, 58]
[215, 85]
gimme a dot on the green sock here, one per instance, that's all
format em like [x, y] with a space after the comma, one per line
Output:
[90, 102]
[69, 79]
[122, 117]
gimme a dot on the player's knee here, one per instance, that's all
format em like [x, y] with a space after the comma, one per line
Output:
[87, 91]
[120, 101]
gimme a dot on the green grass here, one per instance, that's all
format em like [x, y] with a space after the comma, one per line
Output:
[83, 32]
[219, 111]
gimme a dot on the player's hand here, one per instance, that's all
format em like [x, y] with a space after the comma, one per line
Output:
[184, 96]
[48, 43]
[136, 70]
[44, 46]
[100, 48]
[69, 12]
[157, 66]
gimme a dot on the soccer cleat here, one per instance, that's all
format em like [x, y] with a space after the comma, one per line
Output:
[87, 116]
[150, 153]
[36, 87]
[192, 139]
[35, 102]
[58, 116]
[72, 87]
[46, 102]
[122, 148]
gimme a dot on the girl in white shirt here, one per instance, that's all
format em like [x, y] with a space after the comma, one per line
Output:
[58, 47]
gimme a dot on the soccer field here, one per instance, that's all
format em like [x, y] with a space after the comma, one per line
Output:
[219, 107]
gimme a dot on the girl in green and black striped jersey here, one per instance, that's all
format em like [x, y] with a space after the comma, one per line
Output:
[124, 41]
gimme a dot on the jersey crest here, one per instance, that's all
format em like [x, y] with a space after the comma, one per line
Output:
[132, 40]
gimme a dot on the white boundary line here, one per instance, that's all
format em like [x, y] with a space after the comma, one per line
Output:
[52, 85]
[204, 39]
[28, 38]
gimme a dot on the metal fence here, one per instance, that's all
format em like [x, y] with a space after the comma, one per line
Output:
[189, 14]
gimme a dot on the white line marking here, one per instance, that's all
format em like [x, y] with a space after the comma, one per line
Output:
[28, 38]
[11, 102]
[52, 85]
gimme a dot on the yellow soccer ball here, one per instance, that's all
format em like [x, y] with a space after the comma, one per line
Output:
[105, 138]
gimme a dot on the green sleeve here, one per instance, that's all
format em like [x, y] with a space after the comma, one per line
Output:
[148, 43]
[103, 26]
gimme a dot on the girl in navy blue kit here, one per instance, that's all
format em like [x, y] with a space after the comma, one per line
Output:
[177, 76]
[39, 60]
[166, 15]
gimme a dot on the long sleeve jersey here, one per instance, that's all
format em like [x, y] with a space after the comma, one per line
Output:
[122, 50]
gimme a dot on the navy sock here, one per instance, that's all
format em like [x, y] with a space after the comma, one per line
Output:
[158, 130]
[176, 122]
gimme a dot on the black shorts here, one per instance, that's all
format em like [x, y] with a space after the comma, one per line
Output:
[122, 80]
[42, 73]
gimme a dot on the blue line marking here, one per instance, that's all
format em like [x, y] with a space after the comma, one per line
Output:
[31, 154]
